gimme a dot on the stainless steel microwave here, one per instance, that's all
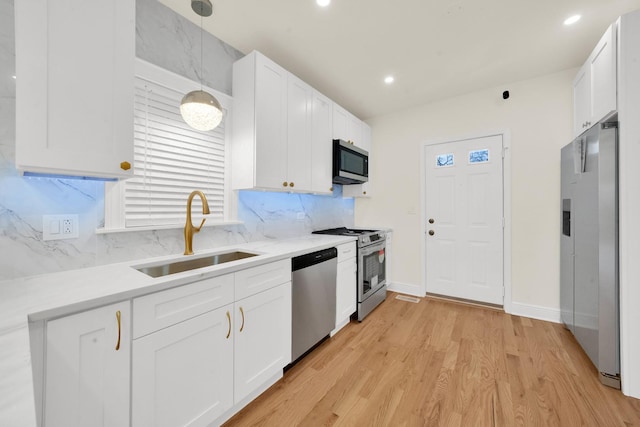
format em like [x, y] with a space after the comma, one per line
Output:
[350, 163]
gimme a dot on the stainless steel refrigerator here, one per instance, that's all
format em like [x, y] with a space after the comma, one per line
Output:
[589, 297]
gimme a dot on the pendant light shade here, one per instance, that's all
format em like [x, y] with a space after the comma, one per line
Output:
[201, 110]
[198, 108]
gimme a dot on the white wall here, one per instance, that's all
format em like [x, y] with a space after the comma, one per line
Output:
[539, 117]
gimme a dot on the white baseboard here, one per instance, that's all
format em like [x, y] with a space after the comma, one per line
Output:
[536, 312]
[517, 308]
[405, 288]
[339, 326]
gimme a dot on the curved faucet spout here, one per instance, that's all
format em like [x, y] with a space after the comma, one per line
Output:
[189, 229]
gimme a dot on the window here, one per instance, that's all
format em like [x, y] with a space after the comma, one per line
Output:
[170, 158]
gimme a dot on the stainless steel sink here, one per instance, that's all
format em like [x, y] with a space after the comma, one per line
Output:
[192, 263]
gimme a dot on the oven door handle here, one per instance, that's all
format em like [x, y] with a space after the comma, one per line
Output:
[368, 250]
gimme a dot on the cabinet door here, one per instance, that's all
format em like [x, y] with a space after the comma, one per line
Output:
[346, 292]
[74, 103]
[354, 130]
[270, 123]
[602, 64]
[183, 375]
[340, 119]
[86, 371]
[581, 100]
[262, 338]
[321, 144]
[299, 106]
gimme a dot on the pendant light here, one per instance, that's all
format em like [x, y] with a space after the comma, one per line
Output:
[198, 108]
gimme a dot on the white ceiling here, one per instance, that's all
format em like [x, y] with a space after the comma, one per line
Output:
[435, 48]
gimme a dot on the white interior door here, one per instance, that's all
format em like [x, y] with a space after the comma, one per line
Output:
[464, 219]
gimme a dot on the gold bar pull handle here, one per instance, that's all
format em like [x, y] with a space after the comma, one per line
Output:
[118, 316]
[242, 312]
[229, 320]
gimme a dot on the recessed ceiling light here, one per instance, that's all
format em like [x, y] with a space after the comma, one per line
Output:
[14, 77]
[572, 20]
[323, 3]
[389, 79]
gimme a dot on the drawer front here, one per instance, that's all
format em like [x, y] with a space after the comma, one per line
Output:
[257, 279]
[346, 251]
[157, 311]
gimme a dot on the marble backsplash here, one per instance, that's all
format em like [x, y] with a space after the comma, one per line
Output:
[170, 41]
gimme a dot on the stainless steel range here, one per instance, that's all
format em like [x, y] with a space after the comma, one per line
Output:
[372, 281]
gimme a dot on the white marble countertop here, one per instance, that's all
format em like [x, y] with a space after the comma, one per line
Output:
[52, 295]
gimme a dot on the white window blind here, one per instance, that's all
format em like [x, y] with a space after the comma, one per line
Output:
[170, 160]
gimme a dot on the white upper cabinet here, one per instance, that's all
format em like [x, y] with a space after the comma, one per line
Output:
[298, 142]
[355, 131]
[595, 88]
[346, 126]
[74, 87]
[278, 127]
[259, 150]
[581, 100]
[340, 120]
[321, 144]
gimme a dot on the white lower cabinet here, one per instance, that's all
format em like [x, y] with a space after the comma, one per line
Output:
[87, 368]
[182, 375]
[194, 362]
[346, 291]
[262, 338]
[199, 352]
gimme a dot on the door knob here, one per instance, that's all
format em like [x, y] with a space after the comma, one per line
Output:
[431, 232]
[431, 221]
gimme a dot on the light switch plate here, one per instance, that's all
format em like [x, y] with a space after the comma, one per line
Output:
[56, 227]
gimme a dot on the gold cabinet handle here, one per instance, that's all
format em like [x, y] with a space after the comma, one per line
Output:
[119, 329]
[284, 184]
[229, 320]
[125, 166]
[291, 184]
[242, 312]
[364, 192]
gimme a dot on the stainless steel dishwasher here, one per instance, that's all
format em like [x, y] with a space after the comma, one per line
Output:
[313, 292]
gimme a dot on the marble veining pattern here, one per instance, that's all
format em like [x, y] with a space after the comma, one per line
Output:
[172, 42]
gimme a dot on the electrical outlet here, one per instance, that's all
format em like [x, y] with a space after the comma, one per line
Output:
[55, 227]
[67, 226]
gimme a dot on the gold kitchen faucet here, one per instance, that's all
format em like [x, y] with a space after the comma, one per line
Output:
[189, 229]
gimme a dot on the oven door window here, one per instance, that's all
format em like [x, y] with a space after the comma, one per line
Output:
[373, 269]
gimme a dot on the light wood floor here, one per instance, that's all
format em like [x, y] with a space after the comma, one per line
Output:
[443, 363]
